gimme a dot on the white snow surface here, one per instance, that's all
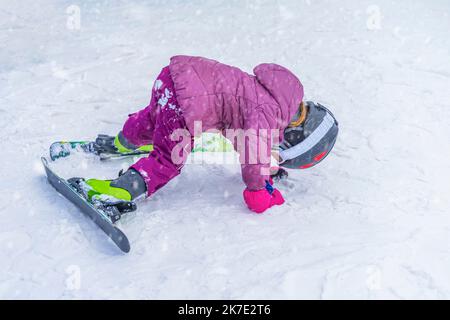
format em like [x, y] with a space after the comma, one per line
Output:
[370, 222]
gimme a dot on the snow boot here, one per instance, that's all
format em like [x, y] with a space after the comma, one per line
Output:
[118, 144]
[126, 187]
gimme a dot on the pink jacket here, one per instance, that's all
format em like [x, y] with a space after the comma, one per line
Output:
[224, 97]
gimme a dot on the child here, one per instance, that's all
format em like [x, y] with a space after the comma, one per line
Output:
[193, 89]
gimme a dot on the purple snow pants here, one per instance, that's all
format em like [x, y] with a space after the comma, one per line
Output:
[154, 125]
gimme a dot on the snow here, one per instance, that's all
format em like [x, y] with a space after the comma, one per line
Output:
[371, 222]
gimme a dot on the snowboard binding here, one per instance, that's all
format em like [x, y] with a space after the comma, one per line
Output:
[112, 208]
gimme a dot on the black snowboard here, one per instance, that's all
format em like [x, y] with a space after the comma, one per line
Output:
[99, 217]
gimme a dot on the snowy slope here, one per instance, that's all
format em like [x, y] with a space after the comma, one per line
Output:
[371, 222]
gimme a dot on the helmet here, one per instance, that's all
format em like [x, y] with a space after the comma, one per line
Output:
[310, 138]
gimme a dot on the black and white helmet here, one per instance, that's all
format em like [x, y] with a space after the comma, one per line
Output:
[310, 138]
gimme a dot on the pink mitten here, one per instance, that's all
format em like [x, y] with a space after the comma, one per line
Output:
[277, 198]
[260, 200]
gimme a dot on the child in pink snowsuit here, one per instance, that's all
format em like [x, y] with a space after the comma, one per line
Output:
[222, 97]
[154, 125]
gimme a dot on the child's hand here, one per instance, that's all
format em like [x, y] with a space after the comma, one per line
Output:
[260, 200]
[278, 175]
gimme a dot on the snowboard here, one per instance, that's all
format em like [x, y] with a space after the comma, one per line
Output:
[62, 149]
[103, 218]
